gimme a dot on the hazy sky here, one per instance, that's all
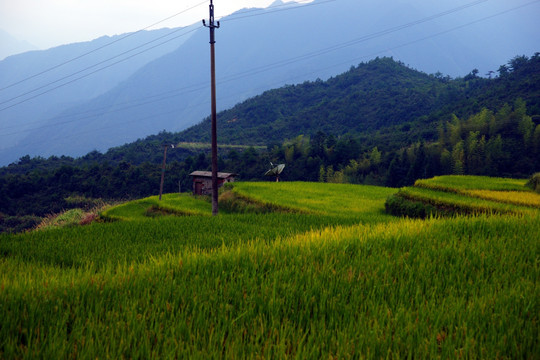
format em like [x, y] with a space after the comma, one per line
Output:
[47, 23]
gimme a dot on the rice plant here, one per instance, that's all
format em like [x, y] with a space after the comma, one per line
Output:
[335, 280]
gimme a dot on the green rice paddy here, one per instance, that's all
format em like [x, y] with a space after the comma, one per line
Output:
[327, 274]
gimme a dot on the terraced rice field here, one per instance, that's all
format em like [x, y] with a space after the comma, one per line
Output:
[292, 270]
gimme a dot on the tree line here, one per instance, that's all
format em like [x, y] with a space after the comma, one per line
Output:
[379, 123]
[503, 143]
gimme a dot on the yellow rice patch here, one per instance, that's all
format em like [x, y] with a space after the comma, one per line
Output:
[512, 197]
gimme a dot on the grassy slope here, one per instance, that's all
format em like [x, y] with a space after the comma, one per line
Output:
[143, 209]
[453, 194]
[334, 199]
[502, 191]
[455, 183]
[311, 285]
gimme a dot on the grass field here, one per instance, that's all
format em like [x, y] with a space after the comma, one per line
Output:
[455, 183]
[148, 208]
[450, 195]
[325, 275]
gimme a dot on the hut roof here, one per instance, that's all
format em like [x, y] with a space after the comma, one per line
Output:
[221, 175]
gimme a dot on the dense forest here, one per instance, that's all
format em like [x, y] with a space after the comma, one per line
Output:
[381, 102]
[380, 123]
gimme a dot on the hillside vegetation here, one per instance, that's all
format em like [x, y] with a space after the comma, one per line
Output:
[380, 123]
[451, 195]
[326, 274]
[169, 89]
[381, 100]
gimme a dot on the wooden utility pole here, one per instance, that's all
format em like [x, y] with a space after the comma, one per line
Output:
[165, 147]
[212, 26]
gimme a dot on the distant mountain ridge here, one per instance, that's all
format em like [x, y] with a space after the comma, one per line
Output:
[9, 45]
[257, 51]
[42, 74]
[382, 103]
[373, 100]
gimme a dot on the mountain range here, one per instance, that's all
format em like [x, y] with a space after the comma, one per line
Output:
[9, 45]
[48, 82]
[167, 88]
[379, 123]
[376, 100]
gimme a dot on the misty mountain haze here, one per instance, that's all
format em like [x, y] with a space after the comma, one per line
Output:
[9, 45]
[254, 53]
[89, 57]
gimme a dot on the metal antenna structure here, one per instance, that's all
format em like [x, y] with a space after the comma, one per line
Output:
[212, 26]
[275, 170]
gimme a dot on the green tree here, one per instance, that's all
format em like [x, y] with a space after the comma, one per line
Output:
[454, 128]
[375, 156]
[317, 145]
[526, 128]
[500, 120]
[322, 174]
[518, 62]
[495, 155]
[503, 70]
[536, 142]
[446, 162]
[458, 157]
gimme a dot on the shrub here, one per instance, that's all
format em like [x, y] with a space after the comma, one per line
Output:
[232, 202]
[68, 218]
[534, 182]
[84, 202]
[157, 210]
[399, 206]
[89, 218]
[15, 224]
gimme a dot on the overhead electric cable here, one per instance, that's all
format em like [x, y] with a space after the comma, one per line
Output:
[360, 39]
[134, 33]
[93, 72]
[193, 89]
[266, 11]
[271, 66]
[109, 59]
[127, 105]
[101, 47]
[278, 64]
[103, 62]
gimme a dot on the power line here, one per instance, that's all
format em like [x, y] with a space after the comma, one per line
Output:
[254, 71]
[240, 15]
[101, 47]
[120, 39]
[355, 41]
[153, 116]
[86, 75]
[109, 59]
[192, 88]
[365, 38]
[200, 88]
[160, 97]
[125, 52]
[97, 64]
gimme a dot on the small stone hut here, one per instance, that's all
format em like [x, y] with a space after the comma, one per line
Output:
[202, 181]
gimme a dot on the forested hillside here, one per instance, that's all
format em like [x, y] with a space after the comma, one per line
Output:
[379, 100]
[170, 91]
[380, 123]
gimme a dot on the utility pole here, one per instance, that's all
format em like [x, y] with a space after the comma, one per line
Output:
[165, 147]
[212, 26]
